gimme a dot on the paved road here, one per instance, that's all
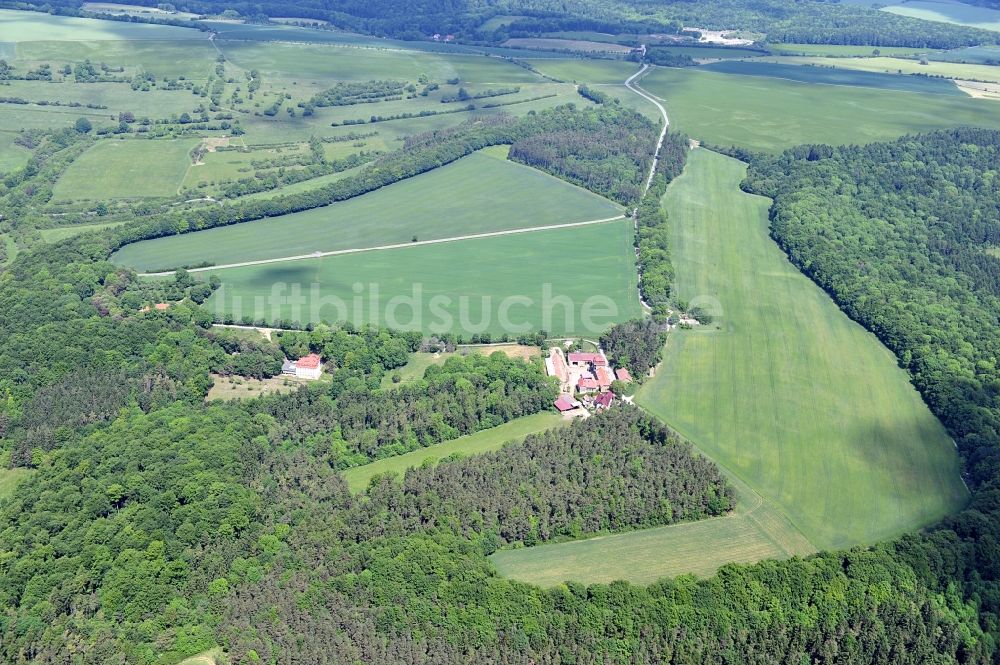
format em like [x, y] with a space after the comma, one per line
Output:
[400, 245]
[634, 87]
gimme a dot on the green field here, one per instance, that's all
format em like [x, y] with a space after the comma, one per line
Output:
[462, 286]
[948, 11]
[790, 395]
[192, 59]
[585, 71]
[581, 45]
[12, 156]
[471, 195]
[18, 26]
[756, 530]
[9, 478]
[63, 232]
[473, 444]
[772, 114]
[954, 70]
[117, 97]
[841, 50]
[125, 169]
[826, 75]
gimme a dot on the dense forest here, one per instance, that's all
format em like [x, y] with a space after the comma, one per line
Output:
[780, 20]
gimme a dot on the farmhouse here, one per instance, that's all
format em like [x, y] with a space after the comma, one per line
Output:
[604, 400]
[307, 367]
[581, 359]
[623, 375]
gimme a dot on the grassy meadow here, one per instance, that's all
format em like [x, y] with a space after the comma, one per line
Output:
[461, 287]
[772, 114]
[21, 26]
[471, 195]
[63, 232]
[12, 156]
[897, 66]
[472, 444]
[784, 390]
[9, 478]
[948, 11]
[124, 169]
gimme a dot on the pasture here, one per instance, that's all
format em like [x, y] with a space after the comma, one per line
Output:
[754, 531]
[567, 281]
[577, 70]
[817, 73]
[898, 66]
[9, 479]
[773, 114]
[471, 195]
[472, 444]
[20, 26]
[63, 232]
[12, 156]
[581, 45]
[192, 59]
[783, 390]
[842, 50]
[126, 169]
[948, 11]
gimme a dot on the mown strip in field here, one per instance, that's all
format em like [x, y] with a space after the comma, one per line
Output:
[473, 444]
[478, 193]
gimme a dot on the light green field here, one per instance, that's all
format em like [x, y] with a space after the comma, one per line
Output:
[790, 395]
[116, 96]
[473, 444]
[841, 50]
[233, 165]
[63, 232]
[948, 11]
[772, 114]
[116, 169]
[493, 285]
[9, 478]
[471, 195]
[18, 26]
[17, 117]
[756, 530]
[304, 186]
[954, 70]
[192, 59]
[586, 71]
[210, 657]
[12, 156]
[582, 45]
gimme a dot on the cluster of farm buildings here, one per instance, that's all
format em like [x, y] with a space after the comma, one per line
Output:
[585, 379]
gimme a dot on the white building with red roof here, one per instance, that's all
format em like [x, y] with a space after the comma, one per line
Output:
[309, 367]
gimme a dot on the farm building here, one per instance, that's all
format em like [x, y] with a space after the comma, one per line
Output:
[582, 358]
[604, 400]
[622, 374]
[587, 384]
[566, 403]
[604, 377]
[307, 367]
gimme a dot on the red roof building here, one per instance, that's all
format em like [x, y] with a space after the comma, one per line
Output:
[587, 384]
[311, 361]
[585, 358]
[161, 306]
[604, 400]
[564, 403]
[604, 378]
[622, 374]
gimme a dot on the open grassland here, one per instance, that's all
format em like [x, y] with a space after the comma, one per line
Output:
[754, 531]
[63, 232]
[419, 362]
[576, 70]
[191, 59]
[948, 11]
[841, 50]
[495, 285]
[18, 26]
[581, 45]
[952, 70]
[124, 169]
[783, 390]
[210, 657]
[9, 478]
[475, 194]
[117, 97]
[472, 444]
[228, 388]
[772, 114]
[976, 54]
[17, 117]
[12, 156]
[836, 76]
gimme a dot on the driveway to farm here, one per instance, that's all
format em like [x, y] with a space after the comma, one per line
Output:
[355, 250]
[634, 87]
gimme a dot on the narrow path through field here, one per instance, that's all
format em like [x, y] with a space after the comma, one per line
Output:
[400, 245]
[631, 84]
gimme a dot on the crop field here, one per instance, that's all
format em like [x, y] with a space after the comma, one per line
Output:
[585, 71]
[783, 390]
[582, 45]
[472, 444]
[425, 206]
[772, 114]
[192, 59]
[987, 55]
[18, 26]
[948, 11]
[897, 66]
[828, 75]
[756, 530]
[578, 280]
[116, 169]
[842, 50]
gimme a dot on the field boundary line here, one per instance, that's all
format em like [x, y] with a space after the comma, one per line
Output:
[399, 245]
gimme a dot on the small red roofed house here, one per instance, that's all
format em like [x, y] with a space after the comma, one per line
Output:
[622, 375]
[161, 306]
[587, 385]
[604, 378]
[604, 400]
[309, 367]
[564, 403]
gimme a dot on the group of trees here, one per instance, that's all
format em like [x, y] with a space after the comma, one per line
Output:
[351, 93]
[635, 345]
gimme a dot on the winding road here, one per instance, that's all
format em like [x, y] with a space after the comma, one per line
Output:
[634, 87]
